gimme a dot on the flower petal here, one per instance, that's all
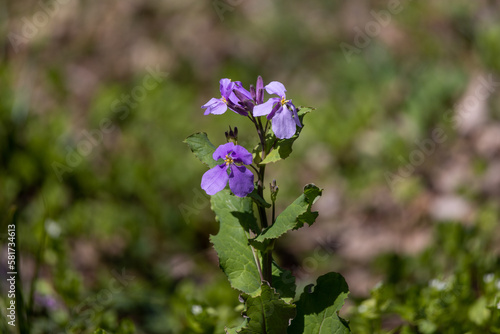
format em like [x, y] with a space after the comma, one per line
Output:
[237, 108]
[240, 154]
[217, 108]
[239, 87]
[222, 150]
[240, 97]
[277, 108]
[240, 181]
[226, 86]
[266, 107]
[284, 126]
[277, 88]
[209, 104]
[295, 115]
[215, 179]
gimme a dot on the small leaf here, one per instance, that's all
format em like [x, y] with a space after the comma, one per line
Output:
[266, 312]
[283, 147]
[258, 199]
[301, 111]
[202, 148]
[236, 258]
[293, 217]
[317, 311]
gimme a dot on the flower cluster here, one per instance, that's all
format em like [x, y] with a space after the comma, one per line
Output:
[280, 111]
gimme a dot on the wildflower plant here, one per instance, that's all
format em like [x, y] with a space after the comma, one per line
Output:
[244, 243]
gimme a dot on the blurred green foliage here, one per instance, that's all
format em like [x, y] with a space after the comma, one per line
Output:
[452, 287]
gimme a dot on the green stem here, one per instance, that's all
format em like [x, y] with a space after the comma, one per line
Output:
[274, 213]
[267, 256]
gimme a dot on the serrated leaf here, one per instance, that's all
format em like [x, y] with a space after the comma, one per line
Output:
[293, 217]
[202, 148]
[317, 311]
[235, 330]
[236, 258]
[283, 147]
[266, 312]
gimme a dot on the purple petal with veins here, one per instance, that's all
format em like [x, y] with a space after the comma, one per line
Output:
[284, 126]
[277, 88]
[241, 155]
[277, 108]
[241, 181]
[221, 151]
[265, 108]
[215, 179]
[295, 115]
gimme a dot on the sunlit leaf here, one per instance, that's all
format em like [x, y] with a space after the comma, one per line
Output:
[318, 307]
[293, 217]
[283, 147]
[266, 312]
[236, 258]
[202, 148]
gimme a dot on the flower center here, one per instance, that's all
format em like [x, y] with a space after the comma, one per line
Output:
[283, 101]
[223, 99]
[228, 160]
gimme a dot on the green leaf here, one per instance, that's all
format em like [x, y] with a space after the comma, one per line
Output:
[202, 148]
[479, 312]
[258, 199]
[284, 283]
[269, 140]
[266, 312]
[302, 111]
[236, 330]
[317, 311]
[293, 217]
[283, 147]
[100, 331]
[236, 258]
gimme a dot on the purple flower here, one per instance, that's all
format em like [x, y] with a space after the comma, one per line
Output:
[239, 177]
[282, 111]
[250, 98]
[228, 99]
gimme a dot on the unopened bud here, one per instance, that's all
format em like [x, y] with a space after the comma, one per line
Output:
[274, 190]
[253, 92]
[232, 135]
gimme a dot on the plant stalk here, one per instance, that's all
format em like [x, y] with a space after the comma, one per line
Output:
[267, 255]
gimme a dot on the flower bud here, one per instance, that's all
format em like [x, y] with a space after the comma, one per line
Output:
[274, 190]
[232, 135]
